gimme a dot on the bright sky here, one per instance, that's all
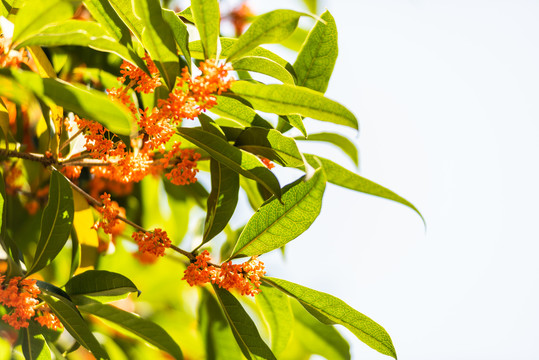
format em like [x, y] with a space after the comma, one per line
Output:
[446, 93]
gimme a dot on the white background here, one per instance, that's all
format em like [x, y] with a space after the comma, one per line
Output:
[446, 93]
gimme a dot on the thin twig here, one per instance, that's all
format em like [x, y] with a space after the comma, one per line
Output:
[70, 140]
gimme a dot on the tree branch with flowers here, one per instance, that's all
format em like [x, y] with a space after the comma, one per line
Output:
[109, 114]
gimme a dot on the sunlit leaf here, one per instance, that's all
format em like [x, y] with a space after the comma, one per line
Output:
[317, 57]
[104, 14]
[8, 245]
[272, 27]
[56, 222]
[34, 346]
[276, 223]
[264, 66]
[289, 100]
[243, 327]
[87, 239]
[240, 161]
[97, 283]
[275, 307]
[145, 329]
[179, 30]
[339, 175]
[338, 140]
[207, 18]
[336, 311]
[236, 110]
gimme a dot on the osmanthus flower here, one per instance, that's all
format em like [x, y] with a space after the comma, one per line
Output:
[243, 277]
[19, 296]
[267, 162]
[11, 58]
[109, 212]
[145, 83]
[153, 242]
[184, 162]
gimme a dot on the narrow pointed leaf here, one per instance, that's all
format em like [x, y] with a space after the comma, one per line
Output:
[207, 21]
[34, 346]
[82, 33]
[276, 310]
[217, 335]
[290, 100]
[297, 122]
[8, 245]
[318, 55]
[56, 222]
[96, 283]
[36, 14]
[341, 176]
[243, 327]
[158, 39]
[240, 161]
[264, 66]
[87, 103]
[179, 31]
[73, 322]
[270, 144]
[124, 9]
[338, 140]
[276, 223]
[269, 28]
[104, 14]
[145, 329]
[236, 110]
[338, 312]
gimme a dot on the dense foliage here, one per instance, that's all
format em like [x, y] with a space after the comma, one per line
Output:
[109, 114]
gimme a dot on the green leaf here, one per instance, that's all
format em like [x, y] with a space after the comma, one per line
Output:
[264, 66]
[73, 322]
[317, 57]
[338, 175]
[179, 31]
[234, 109]
[104, 14]
[276, 310]
[56, 222]
[96, 283]
[338, 140]
[311, 5]
[82, 33]
[218, 338]
[36, 14]
[187, 14]
[238, 160]
[289, 100]
[158, 39]
[207, 21]
[270, 144]
[287, 122]
[295, 41]
[243, 327]
[317, 337]
[269, 28]
[276, 223]
[253, 195]
[145, 329]
[34, 346]
[87, 103]
[10, 247]
[338, 312]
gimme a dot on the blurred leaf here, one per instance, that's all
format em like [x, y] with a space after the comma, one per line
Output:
[276, 310]
[295, 41]
[87, 103]
[337, 311]
[179, 30]
[272, 27]
[10, 247]
[207, 20]
[82, 33]
[338, 140]
[145, 329]
[311, 5]
[14, 91]
[318, 55]
[243, 327]
[218, 338]
[276, 223]
[86, 237]
[100, 283]
[264, 66]
[36, 14]
[319, 338]
[73, 322]
[290, 100]
[56, 222]
[158, 39]
[236, 110]
[240, 161]
[338, 175]
[34, 346]
[270, 144]
[253, 195]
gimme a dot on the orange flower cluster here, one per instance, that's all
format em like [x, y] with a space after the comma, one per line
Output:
[11, 58]
[267, 162]
[12, 176]
[72, 172]
[99, 146]
[145, 83]
[243, 277]
[240, 17]
[21, 295]
[154, 242]
[110, 211]
[184, 171]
